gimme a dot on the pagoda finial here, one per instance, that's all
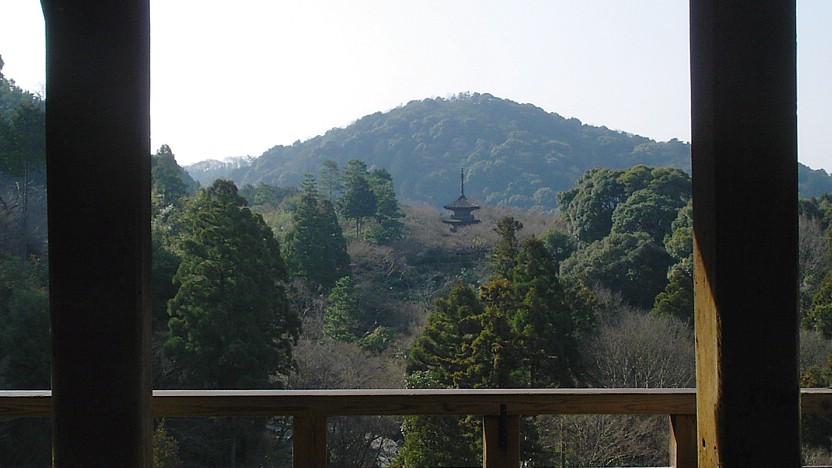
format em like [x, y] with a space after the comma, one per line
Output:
[461, 182]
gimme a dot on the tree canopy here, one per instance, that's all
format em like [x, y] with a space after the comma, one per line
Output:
[230, 323]
[315, 245]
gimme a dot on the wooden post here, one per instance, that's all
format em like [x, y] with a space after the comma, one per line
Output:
[683, 447]
[309, 442]
[501, 441]
[744, 145]
[98, 175]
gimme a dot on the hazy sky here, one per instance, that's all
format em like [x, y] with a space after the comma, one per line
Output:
[236, 78]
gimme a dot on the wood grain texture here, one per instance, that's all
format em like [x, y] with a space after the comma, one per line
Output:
[683, 446]
[309, 442]
[494, 453]
[204, 403]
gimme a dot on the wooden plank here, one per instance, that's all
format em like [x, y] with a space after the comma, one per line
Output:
[501, 442]
[205, 403]
[309, 442]
[683, 447]
[816, 401]
[744, 166]
[98, 174]
[25, 403]
[423, 402]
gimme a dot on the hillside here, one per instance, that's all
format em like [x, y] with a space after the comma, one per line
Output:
[513, 154]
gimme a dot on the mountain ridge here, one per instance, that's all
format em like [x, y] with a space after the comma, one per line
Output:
[513, 154]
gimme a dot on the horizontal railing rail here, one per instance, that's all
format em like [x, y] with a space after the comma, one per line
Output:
[501, 409]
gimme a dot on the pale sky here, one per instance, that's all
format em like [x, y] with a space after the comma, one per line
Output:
[236, 78]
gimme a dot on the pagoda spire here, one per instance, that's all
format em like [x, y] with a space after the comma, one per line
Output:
[461, 207]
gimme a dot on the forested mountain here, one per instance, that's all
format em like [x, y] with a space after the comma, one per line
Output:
[513, 154]
[206, 172]
[313, 275]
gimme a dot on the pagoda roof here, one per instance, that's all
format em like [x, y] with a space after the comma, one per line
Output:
[461, 203]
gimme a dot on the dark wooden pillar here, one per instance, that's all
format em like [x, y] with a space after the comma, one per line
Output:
[98, 169]
[743, 62]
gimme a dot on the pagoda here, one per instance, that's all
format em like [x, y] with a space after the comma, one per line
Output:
[461, 208]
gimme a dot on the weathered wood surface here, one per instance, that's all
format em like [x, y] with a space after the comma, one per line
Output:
[309, 442]
[501, 442]
[410, 402]
[203, 403]
[25, 404]
[683, 446]
[743, 58]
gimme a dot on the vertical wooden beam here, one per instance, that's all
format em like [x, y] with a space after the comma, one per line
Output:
[309, 442]
[744, 128]
[501, 441]
[683, 446]
[98, 169]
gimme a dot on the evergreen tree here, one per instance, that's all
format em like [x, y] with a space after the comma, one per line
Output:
[677, 298]
[439, 358]
[443, 347]
[165, 264]
[588, 206]
[315, 246]
[496, 356]
[168, 178]
[631, 264]
[819, 315]
[266, 195]
[548, 329]
[330, 179]
[560, 245]
[504, 256]
[638, 199]
[359, 201]
[341, 317]
[230, 323]
[387, 226]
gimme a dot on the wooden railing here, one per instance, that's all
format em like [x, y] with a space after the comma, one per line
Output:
[501, 411]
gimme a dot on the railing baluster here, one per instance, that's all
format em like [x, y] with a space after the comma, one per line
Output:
[501, 440]
[683, 445]
[309, 441]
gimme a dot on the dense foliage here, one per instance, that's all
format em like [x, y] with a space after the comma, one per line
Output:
[315, 246]
[24, 302]
[521, 329]
[230, 324]
[514, 154]
[315, 276]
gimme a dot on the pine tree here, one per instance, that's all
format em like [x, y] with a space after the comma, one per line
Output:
[387, 226]
[230, 323]
[504, 256]
[443, 346]
[315, 246]
[496, 358]
[438, 359]
[168, 185]
[547, 328]
[359, 201]
[330, 179]
[341, 317]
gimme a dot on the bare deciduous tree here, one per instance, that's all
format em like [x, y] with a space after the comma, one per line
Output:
[814, 257]
[631, 349]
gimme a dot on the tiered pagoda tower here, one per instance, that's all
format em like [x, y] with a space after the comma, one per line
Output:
[461, 208]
